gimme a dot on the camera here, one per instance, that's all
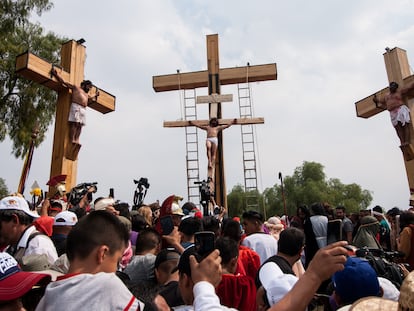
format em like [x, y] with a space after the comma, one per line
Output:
[79, 191]
[140, 192]
[142, 182]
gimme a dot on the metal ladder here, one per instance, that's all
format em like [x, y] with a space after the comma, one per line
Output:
[191, 139]
[248, 146]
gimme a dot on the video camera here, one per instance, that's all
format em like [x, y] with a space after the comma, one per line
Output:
[205, 193]
[140, 191]
[79, 191]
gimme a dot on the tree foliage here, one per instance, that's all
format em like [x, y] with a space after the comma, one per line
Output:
[23, 103]
[307, 185]
[3, 188]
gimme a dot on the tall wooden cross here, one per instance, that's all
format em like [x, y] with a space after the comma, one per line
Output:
[32, 67]
[398, 70]
[213, 78]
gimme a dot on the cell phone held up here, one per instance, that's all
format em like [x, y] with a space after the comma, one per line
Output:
[204, 242]
[167, 225]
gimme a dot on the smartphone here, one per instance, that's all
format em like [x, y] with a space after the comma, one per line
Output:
[167, 225]
[204, 242]
[111, 193]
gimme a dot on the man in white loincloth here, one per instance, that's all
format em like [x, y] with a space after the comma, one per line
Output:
[212, 141]
[399, 112]
[80, 100]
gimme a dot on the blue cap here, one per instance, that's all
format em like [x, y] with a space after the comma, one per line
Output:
[356, 281]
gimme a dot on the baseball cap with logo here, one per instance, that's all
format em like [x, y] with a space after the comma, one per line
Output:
[17, 203]
[14, 282]
[65, 218]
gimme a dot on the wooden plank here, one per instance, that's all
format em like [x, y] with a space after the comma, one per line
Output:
[38, 70]
[366, 108]
[254, 73]
[104, 103]
[408, 152]
[193, 80]
[214, 98]
[241, 121]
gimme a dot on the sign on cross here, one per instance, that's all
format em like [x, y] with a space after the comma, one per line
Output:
[32, 67]
[213, 78]
[398, 70]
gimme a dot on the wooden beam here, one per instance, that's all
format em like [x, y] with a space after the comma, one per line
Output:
[241, 121]
[366, 108]
[214, 98]
[192, 80]
[37, 69]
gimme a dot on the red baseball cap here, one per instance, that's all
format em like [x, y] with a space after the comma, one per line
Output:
[14, 282]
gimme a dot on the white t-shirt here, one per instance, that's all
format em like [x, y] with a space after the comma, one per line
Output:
[40, 244]
[262, 243]
[101, 291]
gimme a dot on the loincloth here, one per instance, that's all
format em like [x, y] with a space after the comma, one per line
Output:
[77, 113]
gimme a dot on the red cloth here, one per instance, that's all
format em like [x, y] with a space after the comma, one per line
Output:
[248, 262]
[237, 291]
[44, 224]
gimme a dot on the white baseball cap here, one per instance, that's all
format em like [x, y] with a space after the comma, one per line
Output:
[17, 203]
[65, 218]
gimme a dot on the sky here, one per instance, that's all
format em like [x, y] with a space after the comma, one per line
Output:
[329, 54]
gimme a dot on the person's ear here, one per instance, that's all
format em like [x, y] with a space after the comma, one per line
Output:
[101, 253]
[15, 219]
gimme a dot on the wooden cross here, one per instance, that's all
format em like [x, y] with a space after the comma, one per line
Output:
[213, 78]
[398, 70]
[32, 67]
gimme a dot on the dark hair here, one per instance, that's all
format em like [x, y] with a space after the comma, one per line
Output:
[318, 209]
[406, 218]
[189, 226]
[228, 248]
[123, 209]
[304, 208]
[24, 219]
[393, 83]
[213, 120]
[291, 241]
[377, 209]
[211, 223]
[253, 215]
[86, 82]
[93, 230]
[231, 229]
[340, 207]
[147, 240]
[138, 222]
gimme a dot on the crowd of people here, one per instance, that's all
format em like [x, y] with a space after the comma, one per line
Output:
[80, 253]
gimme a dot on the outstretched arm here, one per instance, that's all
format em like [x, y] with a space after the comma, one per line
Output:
[377, 100]
[222, 127]
[60, 79]
[203, 127]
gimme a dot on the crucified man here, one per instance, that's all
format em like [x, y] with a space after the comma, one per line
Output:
[397, 106]
[80, 100]
[212, 141]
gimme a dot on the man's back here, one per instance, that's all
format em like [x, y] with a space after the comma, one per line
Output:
[263, 244]
[101, 291]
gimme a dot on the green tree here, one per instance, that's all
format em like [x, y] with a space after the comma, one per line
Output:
[3, 188]
[239, 201]
[23, 103]
[308, 184]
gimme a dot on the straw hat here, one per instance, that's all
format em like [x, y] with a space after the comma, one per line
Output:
[405, 302]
